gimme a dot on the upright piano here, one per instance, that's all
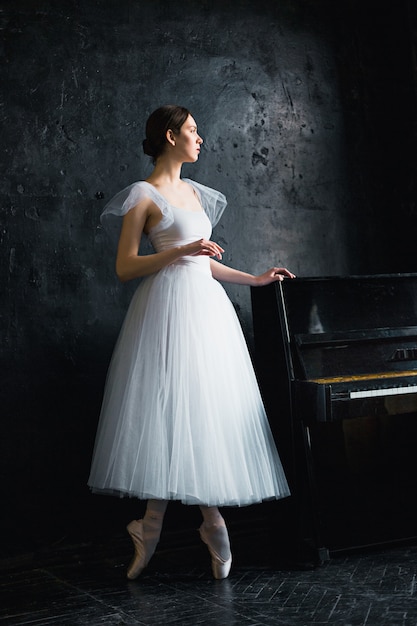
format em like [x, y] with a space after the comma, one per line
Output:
[336, 360]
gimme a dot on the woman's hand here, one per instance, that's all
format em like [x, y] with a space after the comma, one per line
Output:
[273, 275]
[203, 247]
[229, 275]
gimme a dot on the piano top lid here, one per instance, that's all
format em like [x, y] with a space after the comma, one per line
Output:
[369, 335]
[344, 326]
[317, 306]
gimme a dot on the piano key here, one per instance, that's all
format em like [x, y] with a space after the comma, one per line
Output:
[376, 393]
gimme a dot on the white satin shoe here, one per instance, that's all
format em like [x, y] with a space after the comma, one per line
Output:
[143, 552]
[220, 566]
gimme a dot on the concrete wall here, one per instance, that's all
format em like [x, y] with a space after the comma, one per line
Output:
[274, 89]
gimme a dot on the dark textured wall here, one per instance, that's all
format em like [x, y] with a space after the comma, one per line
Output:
[378, 73]
[309, 125]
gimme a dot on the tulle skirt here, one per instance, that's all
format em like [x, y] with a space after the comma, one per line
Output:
[182, 417]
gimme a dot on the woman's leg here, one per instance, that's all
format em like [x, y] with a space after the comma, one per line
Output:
[214, 533]
[154, 518]
[145, 535]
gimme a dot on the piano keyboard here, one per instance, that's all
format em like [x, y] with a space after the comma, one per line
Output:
[377, 393]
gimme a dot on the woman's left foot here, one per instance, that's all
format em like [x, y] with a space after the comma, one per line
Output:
[217, 540]
[144, 549]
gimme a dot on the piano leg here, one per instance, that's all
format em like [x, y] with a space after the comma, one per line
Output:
[320, 551]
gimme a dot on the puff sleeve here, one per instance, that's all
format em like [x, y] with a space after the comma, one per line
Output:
[212, 201]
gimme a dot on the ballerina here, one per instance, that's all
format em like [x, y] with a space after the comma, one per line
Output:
[182, 416]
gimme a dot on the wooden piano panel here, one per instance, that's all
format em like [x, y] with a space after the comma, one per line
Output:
[365, 472]
[351, 465]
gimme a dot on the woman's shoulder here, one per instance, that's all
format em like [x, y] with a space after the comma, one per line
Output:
[200, 186]
[214, 202]
[130, 196]
[205, 192]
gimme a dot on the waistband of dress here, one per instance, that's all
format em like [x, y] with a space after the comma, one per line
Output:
[199, 264]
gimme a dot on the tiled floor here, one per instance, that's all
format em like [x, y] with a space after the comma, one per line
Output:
[84, 584]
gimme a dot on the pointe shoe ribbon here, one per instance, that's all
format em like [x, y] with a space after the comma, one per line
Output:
[220, 566]
[141, 557]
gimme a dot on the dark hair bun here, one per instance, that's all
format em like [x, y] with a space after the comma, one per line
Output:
[147, 148]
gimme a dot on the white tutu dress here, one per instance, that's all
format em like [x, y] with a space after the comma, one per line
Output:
[182, 417]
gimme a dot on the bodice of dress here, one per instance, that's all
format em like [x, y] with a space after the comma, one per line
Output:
[177, 226]
[184, 227]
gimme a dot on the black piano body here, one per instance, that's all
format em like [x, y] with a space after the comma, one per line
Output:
[336, 360]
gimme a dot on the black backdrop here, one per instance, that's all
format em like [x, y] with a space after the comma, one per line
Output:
[60, 317]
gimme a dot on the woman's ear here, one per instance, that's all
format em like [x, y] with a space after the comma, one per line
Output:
[170, 137]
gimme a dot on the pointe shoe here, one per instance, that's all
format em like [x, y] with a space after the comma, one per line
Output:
[220, 567]
[143, 552]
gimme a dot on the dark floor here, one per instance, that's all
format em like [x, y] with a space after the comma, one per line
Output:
[85, 583]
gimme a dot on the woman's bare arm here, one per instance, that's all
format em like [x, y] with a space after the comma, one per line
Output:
[229, 275]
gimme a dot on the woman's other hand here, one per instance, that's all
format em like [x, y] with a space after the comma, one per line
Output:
[273, 275]
[203, 247]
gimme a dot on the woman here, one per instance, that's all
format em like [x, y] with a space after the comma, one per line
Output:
[182, 418]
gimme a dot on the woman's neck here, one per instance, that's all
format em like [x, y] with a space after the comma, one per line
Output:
[165, 172]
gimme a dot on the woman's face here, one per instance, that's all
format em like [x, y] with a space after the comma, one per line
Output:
[188, 141]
